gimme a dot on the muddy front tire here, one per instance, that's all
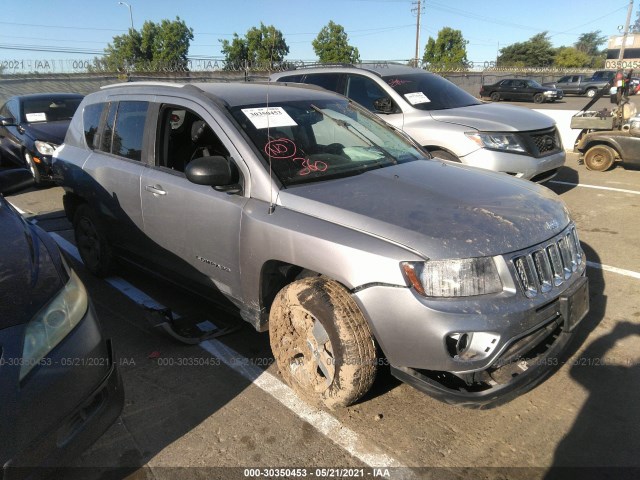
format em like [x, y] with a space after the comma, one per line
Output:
[321, 342]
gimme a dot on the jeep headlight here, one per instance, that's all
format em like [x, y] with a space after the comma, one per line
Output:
[464, 277]
[497, 141]
[53, 323]
[45, 148]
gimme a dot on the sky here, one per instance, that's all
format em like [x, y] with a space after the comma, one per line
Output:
[46, 30]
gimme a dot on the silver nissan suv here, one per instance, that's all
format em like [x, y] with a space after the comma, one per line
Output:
[445, 119]
[313, 219]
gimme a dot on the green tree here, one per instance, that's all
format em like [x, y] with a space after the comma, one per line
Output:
[166, 44]
[535, 52]
[262, 47]
[570, 57]
[156, 46]
[590, 42]
[332, 45]
[449, 50]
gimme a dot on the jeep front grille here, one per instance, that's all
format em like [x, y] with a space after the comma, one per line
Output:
[550, 264]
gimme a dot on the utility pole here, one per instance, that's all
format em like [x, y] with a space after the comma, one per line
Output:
[130, 12]
[418, 11]
[626, 30]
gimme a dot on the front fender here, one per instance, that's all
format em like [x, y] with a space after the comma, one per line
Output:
[351, 257]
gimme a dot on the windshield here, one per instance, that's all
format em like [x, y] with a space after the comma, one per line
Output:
[49, 109]
[426, 91]
[534, 84]
[310, 141]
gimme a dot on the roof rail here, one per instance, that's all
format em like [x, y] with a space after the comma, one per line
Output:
[149, 83]
[320, 64]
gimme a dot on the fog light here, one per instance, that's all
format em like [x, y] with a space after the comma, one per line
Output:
[470, 346]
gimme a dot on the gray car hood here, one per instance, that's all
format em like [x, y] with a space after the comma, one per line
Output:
[440, 209]
[490, 117]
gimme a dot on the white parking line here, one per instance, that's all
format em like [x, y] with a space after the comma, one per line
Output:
[621, 271]
[322, 421]
[621, 190]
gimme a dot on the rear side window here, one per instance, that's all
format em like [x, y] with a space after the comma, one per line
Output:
[291, 79]
[91, 121]
[124, 129]
[129, 129]
[324, 80]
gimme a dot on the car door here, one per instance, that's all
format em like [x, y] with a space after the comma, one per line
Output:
[115, 165]
[521, 90]
[565, 83]
[195, 229]
[506, 89]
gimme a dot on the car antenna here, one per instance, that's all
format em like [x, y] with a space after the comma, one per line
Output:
[272, 205]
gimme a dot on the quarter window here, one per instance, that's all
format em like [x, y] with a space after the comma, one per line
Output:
[91, 122]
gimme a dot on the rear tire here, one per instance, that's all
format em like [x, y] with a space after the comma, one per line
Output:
[91, 241]
[321, 342]
[538, 98]
[495, 97]
[599, 158]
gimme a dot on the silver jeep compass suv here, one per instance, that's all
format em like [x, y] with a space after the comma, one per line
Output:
[314, 219]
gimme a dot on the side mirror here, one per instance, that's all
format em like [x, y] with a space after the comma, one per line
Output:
[215, 172]
[8, 121]
[15, 180]
[383, 105]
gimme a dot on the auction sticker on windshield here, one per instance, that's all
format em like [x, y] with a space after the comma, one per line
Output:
[266, 117]
[36, 117]
[416, 97]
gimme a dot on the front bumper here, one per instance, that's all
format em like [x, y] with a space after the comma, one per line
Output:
[521, 166]
[514, 342]
[554, 95]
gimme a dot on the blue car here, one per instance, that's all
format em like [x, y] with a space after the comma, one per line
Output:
[59, 384]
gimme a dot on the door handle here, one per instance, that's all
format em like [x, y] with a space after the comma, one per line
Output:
[155, 189]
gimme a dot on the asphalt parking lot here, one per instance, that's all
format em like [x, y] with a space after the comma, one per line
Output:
[219, 410]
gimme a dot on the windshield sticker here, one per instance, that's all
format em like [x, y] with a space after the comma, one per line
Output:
[36, 117]
[416, 98]
[396, 82]
[267, 117]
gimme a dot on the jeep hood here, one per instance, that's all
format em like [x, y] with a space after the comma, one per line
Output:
[439, 209]
[491, 117]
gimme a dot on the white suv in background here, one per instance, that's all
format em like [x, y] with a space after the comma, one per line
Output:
[446, 120]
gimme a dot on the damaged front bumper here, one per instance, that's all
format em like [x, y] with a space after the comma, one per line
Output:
[524, 364]
[512, 342]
